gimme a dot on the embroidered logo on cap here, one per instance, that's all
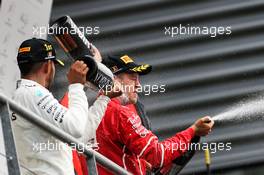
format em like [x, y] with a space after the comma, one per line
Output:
[140, 68]
[126, 59]
[24, 49]
[114, 68]
[48, 47]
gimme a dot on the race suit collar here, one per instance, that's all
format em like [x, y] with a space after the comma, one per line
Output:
[116, 100]
[27, 82]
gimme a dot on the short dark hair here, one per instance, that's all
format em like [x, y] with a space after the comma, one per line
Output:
[27, 68]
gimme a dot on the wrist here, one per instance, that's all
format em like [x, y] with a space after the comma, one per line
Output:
[194, 129]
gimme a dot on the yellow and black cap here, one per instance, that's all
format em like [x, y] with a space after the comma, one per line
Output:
[36, 50]
[124, 63]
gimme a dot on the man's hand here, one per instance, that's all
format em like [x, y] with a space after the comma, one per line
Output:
[96, 53]
[203, 126]
[77, 72]
[115, 91]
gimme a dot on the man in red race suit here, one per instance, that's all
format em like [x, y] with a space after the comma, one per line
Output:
[122, 137]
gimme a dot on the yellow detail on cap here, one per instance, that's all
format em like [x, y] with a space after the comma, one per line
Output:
[24, 49]
[114, 68]
[60, 62]
[126, 59]
[140, 68]
[48, 47]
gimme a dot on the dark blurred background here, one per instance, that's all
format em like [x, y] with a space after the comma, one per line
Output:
[203, 75]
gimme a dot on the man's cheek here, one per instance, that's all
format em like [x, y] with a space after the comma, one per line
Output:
[135, 96]
[132, 95]
[131, 88]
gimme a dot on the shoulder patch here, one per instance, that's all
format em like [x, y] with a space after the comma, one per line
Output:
[38, 93]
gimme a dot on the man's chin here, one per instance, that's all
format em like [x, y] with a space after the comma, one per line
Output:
[133, 100]
[126, 99]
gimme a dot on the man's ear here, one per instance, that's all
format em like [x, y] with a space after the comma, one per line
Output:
[47, 66]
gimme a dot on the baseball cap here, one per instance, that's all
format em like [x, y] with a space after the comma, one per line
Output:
[124, 63]
[36, 50]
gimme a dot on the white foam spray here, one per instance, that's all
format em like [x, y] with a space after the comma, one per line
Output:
[244, 111]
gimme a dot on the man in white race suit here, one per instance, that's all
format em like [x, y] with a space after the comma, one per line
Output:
[39, 152]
